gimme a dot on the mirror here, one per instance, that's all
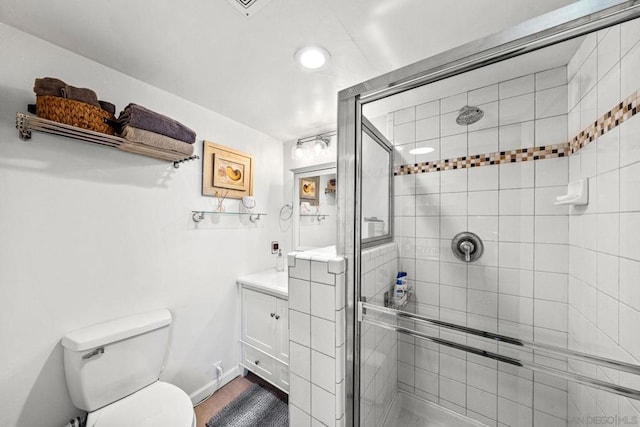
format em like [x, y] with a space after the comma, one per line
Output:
[376, 186]
[314, 207]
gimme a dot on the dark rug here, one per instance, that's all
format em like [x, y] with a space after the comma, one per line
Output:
[254, 407]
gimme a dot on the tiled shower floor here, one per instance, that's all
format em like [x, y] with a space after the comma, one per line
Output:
[410, 411]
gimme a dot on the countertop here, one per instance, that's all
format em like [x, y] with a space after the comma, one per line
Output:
[270, 281]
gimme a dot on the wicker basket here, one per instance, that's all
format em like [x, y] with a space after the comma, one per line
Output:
[74, 113]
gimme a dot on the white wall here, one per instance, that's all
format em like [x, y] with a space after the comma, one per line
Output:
[89, 234]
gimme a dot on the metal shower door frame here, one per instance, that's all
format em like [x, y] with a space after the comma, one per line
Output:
[563, 24]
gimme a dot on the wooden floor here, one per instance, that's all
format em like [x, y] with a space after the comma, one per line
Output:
[224, 396]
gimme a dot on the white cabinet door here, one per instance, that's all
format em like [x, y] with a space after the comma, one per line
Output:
[283, 330]
[258, 320]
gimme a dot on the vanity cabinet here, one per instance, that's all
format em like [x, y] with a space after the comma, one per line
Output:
[265, 336]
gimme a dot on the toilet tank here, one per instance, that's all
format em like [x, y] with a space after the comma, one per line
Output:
[108, 361]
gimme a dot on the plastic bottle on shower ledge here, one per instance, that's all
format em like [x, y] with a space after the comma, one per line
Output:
[279, 261]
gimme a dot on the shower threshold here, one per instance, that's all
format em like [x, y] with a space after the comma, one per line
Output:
[410, 411]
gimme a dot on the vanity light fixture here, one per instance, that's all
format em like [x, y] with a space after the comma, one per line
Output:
[312, 57]
[321, 142]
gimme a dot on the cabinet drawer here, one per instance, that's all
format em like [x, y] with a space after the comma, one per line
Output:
[259, 362]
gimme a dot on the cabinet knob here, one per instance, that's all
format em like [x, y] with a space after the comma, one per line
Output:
[273, 314]
[257, 362]
[277, 317]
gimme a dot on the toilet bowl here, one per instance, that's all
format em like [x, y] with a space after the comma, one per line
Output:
[112, 372]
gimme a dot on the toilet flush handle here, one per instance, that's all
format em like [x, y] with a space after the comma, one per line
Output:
[97, 351]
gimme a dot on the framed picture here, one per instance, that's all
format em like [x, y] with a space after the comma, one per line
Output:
[309, 189]
[226, 172]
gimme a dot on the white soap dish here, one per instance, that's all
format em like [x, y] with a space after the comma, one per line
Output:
[577, 194]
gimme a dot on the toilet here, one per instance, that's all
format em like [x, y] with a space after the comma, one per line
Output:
[112, 372]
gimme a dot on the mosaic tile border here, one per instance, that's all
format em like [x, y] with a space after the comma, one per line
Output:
[610, 120]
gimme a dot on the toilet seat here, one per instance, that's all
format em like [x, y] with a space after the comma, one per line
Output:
[159, 405]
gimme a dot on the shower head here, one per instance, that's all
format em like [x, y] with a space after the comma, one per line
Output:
[469, 115]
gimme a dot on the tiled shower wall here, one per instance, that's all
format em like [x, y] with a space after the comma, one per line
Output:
[519, 286]
[379, 346]
[604, 274]
[316, 339]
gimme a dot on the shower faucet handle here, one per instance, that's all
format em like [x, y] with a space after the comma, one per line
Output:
[467, 248]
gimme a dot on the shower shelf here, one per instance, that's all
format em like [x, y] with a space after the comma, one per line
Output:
[319, 217]
[26, 123]
[390, 301]
[198, 216]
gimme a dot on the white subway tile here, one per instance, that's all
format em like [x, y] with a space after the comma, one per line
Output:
[421, 205]
[550, 315]
[300, 328]
[323, 301]
[516, 202]
[300, 393]
[483, 141]
[453, 103]
[453, 297]
[517, 175]
[482, 303]
[629, 289]
[608, 51]
[609, 91]
[552, 229]
[518, 86]
[426, 226]
[551, 286]
[551, 130]
[404, 133]
[516, 282]
[551, 258]
[486, 227]
[550, 400]
[515, 309]
[428, 109]
[483, 203]
[320, 273]
[589, 73]
[323, 405]
[629, 185]
[453, 181]
[426, 381]
[588, 109]
[551, 78]
[301, 269]
[448, 125]
[405, 115]
[545, 198]
[300, 295]
[483, 178]
[297, 417]
[427, 157]
[453, 204]
[453, 391]
[323, 371]
[630, 235]
[517, 109]
[608, 315]
[516, 255]
[551, 102]
[515, 388]
[629, 78]
[323, 336]
[453, 146]
[300, 360]
[513, 414]
[428, 183]
[482, 278]
[427, 128]
[630, 141]
[552, 172]
[483, 95]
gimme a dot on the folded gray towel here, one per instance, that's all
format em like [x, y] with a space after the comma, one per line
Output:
[80, 94]
[48, 86]
[108, 107]
[140, 117]
[151, 139]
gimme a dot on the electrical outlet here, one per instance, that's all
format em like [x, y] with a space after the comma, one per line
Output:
[274, 247]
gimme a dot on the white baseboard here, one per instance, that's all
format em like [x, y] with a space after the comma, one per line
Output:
[214, 385]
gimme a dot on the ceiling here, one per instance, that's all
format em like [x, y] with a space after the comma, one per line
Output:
[242, 67]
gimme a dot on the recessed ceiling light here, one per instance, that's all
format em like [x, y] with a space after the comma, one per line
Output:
[312, 57]
[422, 150]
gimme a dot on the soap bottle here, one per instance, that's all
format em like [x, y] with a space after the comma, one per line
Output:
[279, 261]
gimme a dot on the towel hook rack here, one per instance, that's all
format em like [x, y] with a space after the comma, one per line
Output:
[176, 164]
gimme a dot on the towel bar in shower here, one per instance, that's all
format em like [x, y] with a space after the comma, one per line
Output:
[365, 311]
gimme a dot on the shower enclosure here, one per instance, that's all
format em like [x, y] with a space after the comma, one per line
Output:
[502, 177]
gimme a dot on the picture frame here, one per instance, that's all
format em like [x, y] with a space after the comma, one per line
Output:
[226, 172]
[308, 190]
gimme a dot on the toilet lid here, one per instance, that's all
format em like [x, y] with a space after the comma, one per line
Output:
[159, 405]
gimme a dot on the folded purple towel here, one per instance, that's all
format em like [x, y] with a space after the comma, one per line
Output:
[140, 117]
[48, 86]
[108, 107]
